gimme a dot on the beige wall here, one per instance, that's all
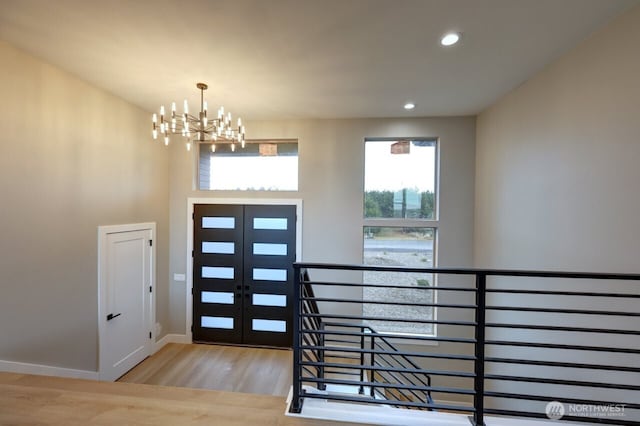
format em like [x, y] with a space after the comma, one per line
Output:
[557, 162]
[557, 174]
[331, 185]
[72, 157]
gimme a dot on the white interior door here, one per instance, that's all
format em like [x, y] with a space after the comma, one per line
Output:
[126, 300]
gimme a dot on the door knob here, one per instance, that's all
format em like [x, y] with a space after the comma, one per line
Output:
[112, 316]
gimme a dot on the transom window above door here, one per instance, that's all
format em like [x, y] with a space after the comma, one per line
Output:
[262, 165]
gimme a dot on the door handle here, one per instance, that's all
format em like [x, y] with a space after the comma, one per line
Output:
[112, 316]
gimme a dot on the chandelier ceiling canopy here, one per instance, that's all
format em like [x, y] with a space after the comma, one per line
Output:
[200, 128]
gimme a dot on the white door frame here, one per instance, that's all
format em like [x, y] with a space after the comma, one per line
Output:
[103, 231]
[254, 201]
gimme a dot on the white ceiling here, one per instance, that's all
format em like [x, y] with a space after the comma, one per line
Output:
[266, 59]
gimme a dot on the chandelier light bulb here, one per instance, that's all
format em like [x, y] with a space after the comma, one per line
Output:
[186, 107]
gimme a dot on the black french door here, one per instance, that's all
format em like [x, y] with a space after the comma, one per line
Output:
[243, 274]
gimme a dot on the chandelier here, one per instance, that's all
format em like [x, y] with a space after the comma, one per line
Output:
[199, 129]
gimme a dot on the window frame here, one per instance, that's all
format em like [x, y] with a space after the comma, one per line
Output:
[409, 223]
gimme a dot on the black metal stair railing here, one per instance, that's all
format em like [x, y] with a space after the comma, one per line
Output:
[509, 343]
[386, 369]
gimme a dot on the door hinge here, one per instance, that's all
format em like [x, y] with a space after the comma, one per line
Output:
[150, 243]
[150, 289]
[192, 328]
[149, 335]
[193, 215]
[192, 291]
[192, 253]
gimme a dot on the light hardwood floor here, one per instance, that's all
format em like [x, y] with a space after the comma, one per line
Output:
[40, 400]
[226, 368]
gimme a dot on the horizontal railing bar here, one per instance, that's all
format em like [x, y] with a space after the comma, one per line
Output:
[355, 358]
[337, 340]
[566, 417]
[354, 317]
[564, 293]
[343, 373]
[385, 336]
[439, 389]
[564, 400]
[562, 311]
[562, 328]
[381, 336]
[369, 400]
[373, 302]
[369, 351]
[563, 364]
[561, 382]
[469, 271]
[562, 346]
[399, 286]
[396, 369]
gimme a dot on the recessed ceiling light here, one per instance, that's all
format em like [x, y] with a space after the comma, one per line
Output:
[409, 105]
[449, 39]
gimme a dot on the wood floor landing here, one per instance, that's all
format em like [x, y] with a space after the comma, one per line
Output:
[40, 400]
[227, 368]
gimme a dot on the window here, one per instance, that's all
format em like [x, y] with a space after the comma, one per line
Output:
[262, 165]
[400, 229]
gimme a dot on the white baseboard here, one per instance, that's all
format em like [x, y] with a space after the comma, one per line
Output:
[46, 370]
[170, 338]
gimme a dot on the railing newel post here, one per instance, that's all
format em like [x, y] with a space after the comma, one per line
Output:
[372, 391]
[478, 384]
[296, 400]
[361, 389]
